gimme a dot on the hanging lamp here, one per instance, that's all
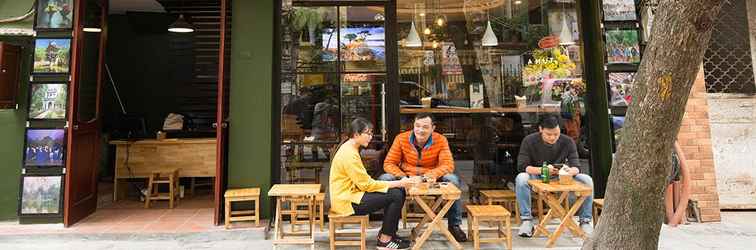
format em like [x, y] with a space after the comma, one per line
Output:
[181, 26]
[489, 38]
[413, 38]
[565, 36]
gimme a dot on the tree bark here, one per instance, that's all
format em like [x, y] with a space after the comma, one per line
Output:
[633, 207]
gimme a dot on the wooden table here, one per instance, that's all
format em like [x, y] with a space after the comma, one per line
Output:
[294, 191]
[139, 159]
[549, 192]
[445, 193]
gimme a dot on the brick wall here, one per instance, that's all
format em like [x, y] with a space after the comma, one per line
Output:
[695, 139]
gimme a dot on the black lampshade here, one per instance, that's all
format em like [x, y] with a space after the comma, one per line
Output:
[181, 26]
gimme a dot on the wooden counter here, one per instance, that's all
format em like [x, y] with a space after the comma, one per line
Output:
[137, 159]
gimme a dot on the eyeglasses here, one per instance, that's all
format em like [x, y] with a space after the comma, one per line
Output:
[370, 133]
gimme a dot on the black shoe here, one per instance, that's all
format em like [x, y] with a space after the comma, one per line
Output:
[393, 244]
[396, 237]
[458, 234]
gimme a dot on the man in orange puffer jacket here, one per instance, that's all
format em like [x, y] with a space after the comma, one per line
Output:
[422, 152]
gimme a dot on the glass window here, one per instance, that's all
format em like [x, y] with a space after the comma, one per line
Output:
[487, 70]
[333, 71]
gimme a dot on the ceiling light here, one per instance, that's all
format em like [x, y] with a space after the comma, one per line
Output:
[413, 39]
[181, 26]
[92, 30]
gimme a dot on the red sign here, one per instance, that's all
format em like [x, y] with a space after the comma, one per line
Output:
[548, 42]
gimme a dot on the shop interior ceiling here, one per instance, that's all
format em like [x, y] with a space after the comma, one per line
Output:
[456, 9]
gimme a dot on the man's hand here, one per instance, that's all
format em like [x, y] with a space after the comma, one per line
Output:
[553, 171]
[574, 171]
[429, 178]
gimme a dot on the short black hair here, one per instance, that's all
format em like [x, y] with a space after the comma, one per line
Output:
[419, 116]
[358, 126]
[549, 122]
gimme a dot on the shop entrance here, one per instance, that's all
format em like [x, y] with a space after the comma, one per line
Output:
[131, 76]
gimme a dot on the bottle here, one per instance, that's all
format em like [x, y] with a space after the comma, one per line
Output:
[545, 173]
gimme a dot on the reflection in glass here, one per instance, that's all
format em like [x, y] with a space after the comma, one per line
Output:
[476, 60]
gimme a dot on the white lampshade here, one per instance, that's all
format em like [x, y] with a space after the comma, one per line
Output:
[489, 38]
[413, 39]
[565, 36]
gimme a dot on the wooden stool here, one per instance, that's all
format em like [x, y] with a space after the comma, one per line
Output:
[598, 205]
[361, 220]
[505, 197]
[239, 195]
[413, 215]
[302, 214]
[496, 213]
[153, 190]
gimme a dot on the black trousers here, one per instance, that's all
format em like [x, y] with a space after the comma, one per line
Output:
[391, 202]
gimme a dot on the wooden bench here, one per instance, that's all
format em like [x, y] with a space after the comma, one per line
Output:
[336, 221]
[153, 188]
[598, 205]
[504, 197]
[496, 213]
[242, 195]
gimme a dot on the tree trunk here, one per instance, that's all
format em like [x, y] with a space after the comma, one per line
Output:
[633, 207]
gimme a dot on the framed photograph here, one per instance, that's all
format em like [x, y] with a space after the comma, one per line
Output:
[622, 46]
[619, 88]
[52, 55]
[41, 195]
[45, 147]
[619, 10]
[54, 14]
[48, 101]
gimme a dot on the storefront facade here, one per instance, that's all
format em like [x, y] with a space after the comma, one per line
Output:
[385, 61]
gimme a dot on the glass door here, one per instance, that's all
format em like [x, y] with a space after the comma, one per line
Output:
[333, 70]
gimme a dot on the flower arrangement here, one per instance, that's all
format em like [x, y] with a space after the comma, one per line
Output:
[551, 63]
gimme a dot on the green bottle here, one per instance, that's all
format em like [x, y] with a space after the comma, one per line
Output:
[545, 173]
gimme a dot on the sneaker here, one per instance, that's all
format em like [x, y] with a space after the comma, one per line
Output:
[526, 229]
[394, 243]
[396, 237]
[458, 234]
[586, 227]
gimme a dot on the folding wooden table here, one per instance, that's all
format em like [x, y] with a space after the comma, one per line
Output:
[557, 210]
[445, 193]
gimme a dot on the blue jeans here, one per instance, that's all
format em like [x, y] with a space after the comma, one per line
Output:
[455, 212]
[522, 190]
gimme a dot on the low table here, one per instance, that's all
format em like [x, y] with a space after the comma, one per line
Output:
[549, 192]
[294, 191]
[446, 194]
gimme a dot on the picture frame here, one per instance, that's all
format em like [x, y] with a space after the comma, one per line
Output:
[622, 46]
[618, 86]
[41, 195]
[52, 55]
[54, 15]
[44, 147]
[619, 10]
[48, 101]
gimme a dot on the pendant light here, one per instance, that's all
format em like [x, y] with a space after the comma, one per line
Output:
[489, 38]
[565, 36]
[181, 25]
[413, 39]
